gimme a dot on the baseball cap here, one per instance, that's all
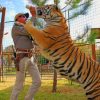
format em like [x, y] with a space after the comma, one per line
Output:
[19, 14]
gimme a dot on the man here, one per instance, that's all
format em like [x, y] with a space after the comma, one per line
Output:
[23, 45]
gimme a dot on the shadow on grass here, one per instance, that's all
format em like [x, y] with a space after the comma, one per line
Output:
[69, 92]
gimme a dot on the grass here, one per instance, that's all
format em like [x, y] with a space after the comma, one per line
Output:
[65, 91]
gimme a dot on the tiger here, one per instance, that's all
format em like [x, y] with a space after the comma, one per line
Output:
[56, 44]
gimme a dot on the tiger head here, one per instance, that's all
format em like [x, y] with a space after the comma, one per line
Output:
[55, 21]
[47, 12]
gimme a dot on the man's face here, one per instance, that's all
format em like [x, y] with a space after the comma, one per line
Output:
[22, 19]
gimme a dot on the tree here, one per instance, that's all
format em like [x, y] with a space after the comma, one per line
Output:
[80, 7]
[56, 2]
[38, 2]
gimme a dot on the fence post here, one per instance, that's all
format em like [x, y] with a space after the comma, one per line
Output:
[54, 81]
[93, 52]
[2, 10]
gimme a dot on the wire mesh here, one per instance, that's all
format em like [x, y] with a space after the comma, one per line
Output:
[90, 18]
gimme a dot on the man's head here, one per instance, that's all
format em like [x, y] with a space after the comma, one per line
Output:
[21, 17]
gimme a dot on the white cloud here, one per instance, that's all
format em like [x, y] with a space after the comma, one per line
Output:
[26, 2]
[7, 29]
[7, 39]
[10, 9]
[10, 14]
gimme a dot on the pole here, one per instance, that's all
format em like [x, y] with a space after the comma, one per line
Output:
[93, 52]
[2, 10]
[54, 81]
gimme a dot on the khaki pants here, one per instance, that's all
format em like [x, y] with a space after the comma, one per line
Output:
[26, 64]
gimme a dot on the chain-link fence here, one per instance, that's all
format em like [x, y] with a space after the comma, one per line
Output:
[79, 20]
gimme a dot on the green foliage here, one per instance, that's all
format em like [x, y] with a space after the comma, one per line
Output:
[92, 36]
[75, 3]
[56, 1]
[42, 60]
[77, 7]
[39, 2]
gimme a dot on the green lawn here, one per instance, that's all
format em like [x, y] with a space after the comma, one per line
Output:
[65, 91]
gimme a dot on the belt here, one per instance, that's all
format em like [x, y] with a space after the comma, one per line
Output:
[24, 53]
[24, 50]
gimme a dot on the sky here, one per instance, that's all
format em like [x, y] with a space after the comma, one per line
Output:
[15, 6]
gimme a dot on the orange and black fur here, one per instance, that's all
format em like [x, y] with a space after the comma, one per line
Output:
[56, 44]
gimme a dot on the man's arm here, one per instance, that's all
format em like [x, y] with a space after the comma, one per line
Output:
[19, 30]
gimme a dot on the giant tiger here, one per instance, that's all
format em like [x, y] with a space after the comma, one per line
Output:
[56, 44]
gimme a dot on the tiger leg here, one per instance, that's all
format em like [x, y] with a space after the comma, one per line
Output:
[39, 35]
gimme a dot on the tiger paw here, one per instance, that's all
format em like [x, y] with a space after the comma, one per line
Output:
[32, 10]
